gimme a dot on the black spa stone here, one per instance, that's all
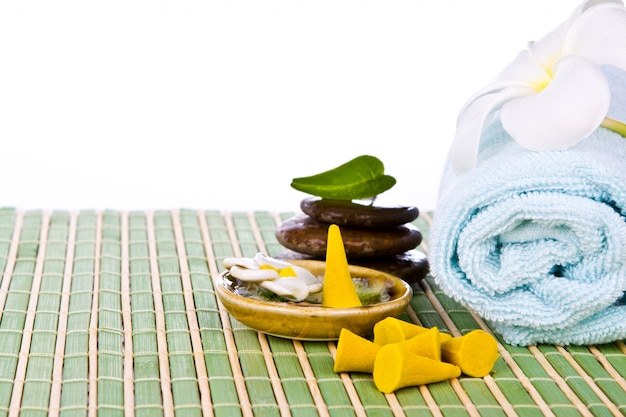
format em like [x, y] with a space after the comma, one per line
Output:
[357, 214]
[306, 235]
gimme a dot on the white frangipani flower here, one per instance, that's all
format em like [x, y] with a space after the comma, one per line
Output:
[553, 94]
[280, 277]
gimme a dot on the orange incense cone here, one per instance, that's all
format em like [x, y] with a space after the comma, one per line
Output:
[395, 368]
[427, 344]
[475, 353]
[354, 353]
[339, 290]
[394, 330]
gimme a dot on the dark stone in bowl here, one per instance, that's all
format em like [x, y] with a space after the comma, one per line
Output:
[354, 214]
[411, 266]
[304, 234]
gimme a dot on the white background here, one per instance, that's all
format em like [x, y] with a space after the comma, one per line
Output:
[219, 104]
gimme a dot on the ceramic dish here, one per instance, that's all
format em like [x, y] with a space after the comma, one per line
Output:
[300, 322]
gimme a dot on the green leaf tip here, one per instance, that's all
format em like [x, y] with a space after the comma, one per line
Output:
[360, 178]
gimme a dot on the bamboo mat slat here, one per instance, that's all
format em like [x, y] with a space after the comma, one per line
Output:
[113, 313]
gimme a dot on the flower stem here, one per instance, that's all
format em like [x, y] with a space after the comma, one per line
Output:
[614, 125]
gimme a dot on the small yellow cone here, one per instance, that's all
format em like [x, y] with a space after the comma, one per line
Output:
[354, 353]
[394, 330]
[395, 368]
[339, 290]
[444, 336]
[427, 344]
[475, 353]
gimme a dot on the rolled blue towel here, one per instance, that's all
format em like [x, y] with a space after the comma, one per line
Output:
[535, 241]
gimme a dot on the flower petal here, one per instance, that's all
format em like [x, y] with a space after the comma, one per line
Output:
[472, 121]
[292, 288]
[599, 34]
[587, 4]
[527, 69]
[548, 49]
[567, 111]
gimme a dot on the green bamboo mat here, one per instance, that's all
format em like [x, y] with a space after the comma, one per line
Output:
[113, 313]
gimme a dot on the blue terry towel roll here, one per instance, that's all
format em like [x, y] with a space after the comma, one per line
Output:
[535, 242]
[531, 235]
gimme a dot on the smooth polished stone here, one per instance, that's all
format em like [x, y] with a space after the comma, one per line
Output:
[411, 266]
[304, 234]
[355, 214]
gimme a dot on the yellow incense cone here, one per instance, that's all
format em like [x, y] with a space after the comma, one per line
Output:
[427, 344]
[475, 352]
[395, 368]
[354, 353]
[443, 336]
[394, 330]
[339, 290]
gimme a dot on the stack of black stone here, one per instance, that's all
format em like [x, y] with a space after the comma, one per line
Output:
[374, 236]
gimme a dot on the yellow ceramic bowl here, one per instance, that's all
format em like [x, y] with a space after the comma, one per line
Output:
[294, 321]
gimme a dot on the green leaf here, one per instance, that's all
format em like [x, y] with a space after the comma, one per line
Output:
[362, 177]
